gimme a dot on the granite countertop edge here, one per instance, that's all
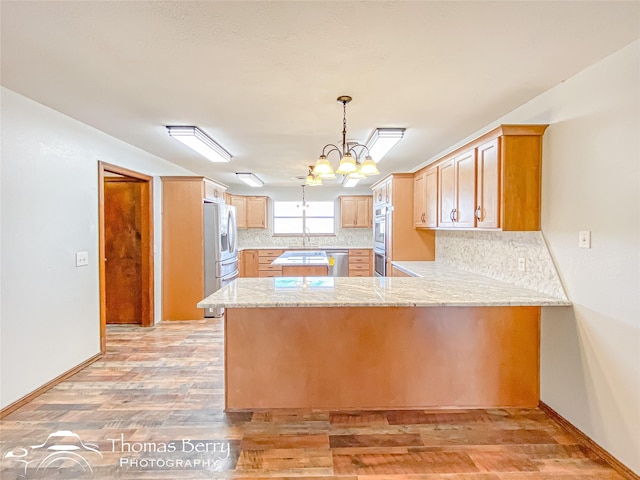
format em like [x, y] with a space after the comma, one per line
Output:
[441, 285]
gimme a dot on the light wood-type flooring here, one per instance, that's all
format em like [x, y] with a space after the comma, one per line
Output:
[152, 408]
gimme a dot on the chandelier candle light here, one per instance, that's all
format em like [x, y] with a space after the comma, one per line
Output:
[352, 164]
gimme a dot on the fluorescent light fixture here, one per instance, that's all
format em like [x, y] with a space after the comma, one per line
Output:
[250, 179]
[383, 140]
[197, 140]
[349, 182]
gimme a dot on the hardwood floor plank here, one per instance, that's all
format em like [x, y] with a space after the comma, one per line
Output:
[165, 384]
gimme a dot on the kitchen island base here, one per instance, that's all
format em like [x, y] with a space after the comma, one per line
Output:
[370, 358]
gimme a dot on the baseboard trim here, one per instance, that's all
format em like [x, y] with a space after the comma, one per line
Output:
[619, 467]
[47, 386]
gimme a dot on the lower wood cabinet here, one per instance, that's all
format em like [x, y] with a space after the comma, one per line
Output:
[248, 263]
[360, 262]
[265, 269]
[396, 272]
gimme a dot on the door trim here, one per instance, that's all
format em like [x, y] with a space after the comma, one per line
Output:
[147, 319]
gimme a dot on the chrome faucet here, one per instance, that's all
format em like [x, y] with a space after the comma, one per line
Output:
[304, 237]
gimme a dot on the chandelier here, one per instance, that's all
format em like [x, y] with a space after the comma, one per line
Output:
[356, 160]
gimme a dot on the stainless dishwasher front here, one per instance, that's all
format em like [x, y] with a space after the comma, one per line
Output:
[338, 263]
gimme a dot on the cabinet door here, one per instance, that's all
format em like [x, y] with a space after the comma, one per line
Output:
[348, 212]
[431, 202]
[241, 208]
[488, 188]
[465, 173]
[446, 193]
[380, 195]
[256, 212]
[419, 200]
[388, 192]
[249, 262]
[363, 212]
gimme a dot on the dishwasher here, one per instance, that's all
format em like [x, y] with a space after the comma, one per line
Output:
[338, 263]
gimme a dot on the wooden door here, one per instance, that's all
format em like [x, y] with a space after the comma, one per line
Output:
[465, 166]
[241, 207]
[488, 204]
[256, 212]
[431, 198]
[123, 250]
[446, 193]
[419, 200]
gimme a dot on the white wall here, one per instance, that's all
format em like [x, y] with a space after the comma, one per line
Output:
[49, 315]
[590, 357]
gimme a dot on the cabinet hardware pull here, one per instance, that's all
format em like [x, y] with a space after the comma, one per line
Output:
[454, 215]
[478, 212]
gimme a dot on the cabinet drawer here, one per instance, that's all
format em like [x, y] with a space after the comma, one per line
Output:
[359, 253]
[359, 273]
[270, 253]
[359, 266]
[269, 274]
[267, 267]
[353, 260]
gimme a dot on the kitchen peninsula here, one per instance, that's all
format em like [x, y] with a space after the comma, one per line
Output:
[303, 263]
[446, 339]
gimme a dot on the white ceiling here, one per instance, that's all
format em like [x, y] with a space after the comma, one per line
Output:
[261, 78]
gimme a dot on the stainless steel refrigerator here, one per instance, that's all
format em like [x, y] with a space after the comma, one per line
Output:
[220, 250]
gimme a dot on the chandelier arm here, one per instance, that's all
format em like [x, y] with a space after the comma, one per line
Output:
[355, 154]
[334, 147]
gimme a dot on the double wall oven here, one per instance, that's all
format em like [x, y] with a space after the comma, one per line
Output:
[380, 233]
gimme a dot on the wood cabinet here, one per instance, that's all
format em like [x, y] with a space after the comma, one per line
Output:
[457, 191]
[402, 240]
[492, 182]
[380, 196]
[248, 263]
[425, 198]
[265, 269]
[487, 211]
[183, 244]
[356, 211]
[251, 211]
[360, 262]
[214, 191]
[396, 272]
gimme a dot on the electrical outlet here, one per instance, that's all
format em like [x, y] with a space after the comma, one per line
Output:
[584, 239]
[522, 264]
[82, 259]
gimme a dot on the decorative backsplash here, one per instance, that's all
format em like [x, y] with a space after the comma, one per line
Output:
[496, 255]
[345, 237]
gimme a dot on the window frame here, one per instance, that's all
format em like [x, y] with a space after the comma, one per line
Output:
[304, 217]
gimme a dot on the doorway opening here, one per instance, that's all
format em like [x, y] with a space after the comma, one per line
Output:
[125, 248]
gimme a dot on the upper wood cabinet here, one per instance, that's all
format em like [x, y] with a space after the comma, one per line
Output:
[356, 211]
[492, 182]
[251, 212]
[380, 195]
[425, 201]
[214, 191]
[488, 185]
[457, 191]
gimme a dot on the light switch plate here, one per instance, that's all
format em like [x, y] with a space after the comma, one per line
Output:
[584, 239]
[82, 259]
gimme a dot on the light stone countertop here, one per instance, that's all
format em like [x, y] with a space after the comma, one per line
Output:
[302, 258]
[439, 285]
[312, 247]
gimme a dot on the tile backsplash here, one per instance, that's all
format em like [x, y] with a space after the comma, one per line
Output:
[496, 254]
[345, 237]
